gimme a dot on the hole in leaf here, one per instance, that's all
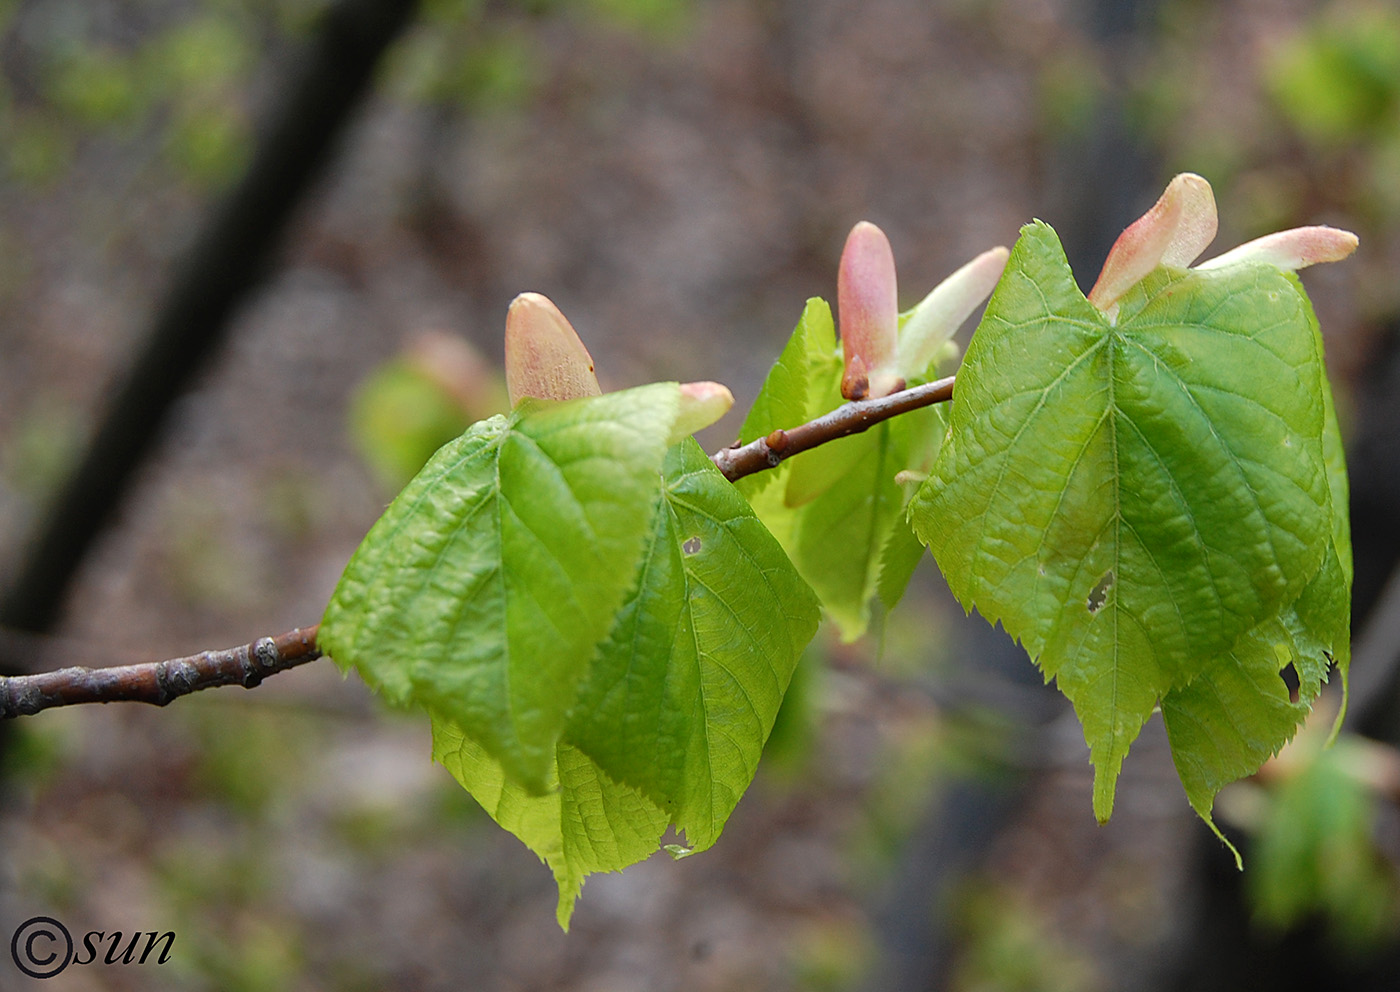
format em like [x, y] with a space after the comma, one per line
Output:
[1099, 594]
[1289, 674]
[691, 546]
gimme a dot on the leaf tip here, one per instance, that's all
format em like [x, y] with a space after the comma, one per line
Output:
[568, 899]
[1341, 708]
[1105, 789]
[1210, 822]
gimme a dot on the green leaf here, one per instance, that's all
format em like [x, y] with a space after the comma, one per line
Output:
[584, 823]
[840, 536]
[1131, 499]
[1315, 854]
[840, 509]
[399, 417]
[484, 589]
[839, 513]
[668, 727]
[785, 400]
[1237, 714]
[684, 691]
[899, 556]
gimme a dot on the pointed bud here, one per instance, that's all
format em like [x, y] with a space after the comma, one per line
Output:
[1174, 232]
[868, 309]
[702, 403]
[544, 356]
[1294, 249]
[943, 310]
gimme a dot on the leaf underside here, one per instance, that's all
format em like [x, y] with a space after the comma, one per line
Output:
[1143, 504]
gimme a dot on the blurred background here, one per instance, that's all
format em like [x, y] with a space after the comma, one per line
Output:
[278, 238]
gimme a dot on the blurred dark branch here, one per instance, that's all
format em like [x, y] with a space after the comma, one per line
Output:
[161, 681]
[852, 418]
[230, 257]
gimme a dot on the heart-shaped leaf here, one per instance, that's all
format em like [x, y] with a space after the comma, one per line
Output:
[484, 589]
[669, 725]
[1129, 499]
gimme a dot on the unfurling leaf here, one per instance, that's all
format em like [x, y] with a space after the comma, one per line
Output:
[838, 509]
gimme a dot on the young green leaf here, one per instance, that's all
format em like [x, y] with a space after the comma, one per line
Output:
[668, 727]
[1130, 499]
[840, 508]
[484, 589]
[583, 823]
[1237, 714]
[899, 556]
[1316, 858]
[682, 694]
[842, 538]
[785, 399]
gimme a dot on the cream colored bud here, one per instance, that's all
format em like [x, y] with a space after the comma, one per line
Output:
[1294, 249]
[943, 310]
[544, 357]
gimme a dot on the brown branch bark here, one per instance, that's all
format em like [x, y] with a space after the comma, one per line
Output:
[852, 418]
[158, 682]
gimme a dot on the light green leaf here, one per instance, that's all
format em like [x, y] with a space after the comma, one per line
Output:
[1130, 500]
[899, 556]
[785, 399]
[839, 536]
[668, 727]
[584, 823]
[845, 506]
[1237, 714]
[684, 691]
[1316, 858]
[483, 590]
[839, 508]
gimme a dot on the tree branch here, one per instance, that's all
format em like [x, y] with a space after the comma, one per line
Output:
[158, 682]
[852, 418]
[232, 255]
